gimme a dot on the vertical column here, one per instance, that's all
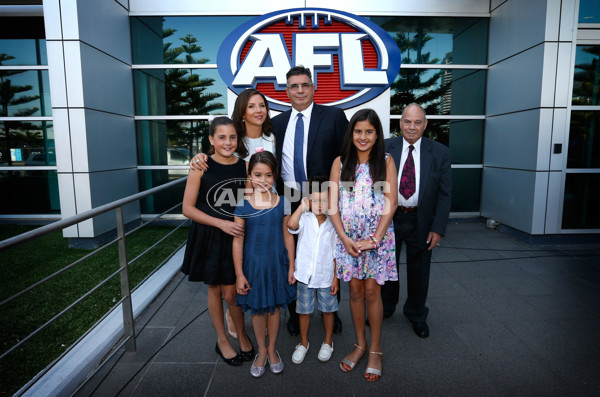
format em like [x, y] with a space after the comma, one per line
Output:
[525, 109]
[89, 56]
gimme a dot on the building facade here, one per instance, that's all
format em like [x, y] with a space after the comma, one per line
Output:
[103, 99]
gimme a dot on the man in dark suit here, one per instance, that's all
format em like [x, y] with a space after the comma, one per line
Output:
[424, 199]
[308, 138]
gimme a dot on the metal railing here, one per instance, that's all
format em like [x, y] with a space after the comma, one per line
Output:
[123, 271]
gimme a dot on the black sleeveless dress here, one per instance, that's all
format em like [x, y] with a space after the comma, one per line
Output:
[208, 253]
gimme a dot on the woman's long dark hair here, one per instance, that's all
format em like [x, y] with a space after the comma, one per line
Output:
[239, 110]
[349, 157]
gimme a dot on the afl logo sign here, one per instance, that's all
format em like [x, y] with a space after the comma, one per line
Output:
[352, 60]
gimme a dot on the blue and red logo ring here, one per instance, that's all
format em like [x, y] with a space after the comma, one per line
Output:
[382, 52]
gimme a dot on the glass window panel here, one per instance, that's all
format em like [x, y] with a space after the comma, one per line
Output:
[24, 93]
[161, 201]
[466, 188]
[179, 92]
[440, 91]
[580, 209]
[171, 142]
[589, 11]
[438, 40]
[586, 80]
[29, 192]
[23, 52]
[584, 145]
[25, 143]
[463, 137]
[168, 40]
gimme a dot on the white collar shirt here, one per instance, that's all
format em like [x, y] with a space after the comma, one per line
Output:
[287, 155]
[314, 254]
[413, 200]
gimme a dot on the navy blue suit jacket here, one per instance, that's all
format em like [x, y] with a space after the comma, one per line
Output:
[325, 137]
[435, 185]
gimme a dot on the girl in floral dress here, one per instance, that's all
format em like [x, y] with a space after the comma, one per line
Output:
[363, 196]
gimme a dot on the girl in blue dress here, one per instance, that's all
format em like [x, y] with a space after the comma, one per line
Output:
[264, 259]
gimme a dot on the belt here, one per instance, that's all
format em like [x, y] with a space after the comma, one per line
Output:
[406, 209]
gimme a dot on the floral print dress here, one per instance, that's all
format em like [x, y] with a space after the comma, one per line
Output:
[361, 206]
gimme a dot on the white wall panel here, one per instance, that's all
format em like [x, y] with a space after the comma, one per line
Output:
[560, 135]
[515, 83]
[568, 20]
[507, 196]
[188, 7]
[548, 72]
[105, 25]
[516, 26]
[73, 72]
[554, 203]
[52, 22]
[438, 7]
[56, 74]
[83, 199]
[538, 221]
[70, 19]
[67, 201]
[564, 75]
[78, 135]
[553, 19]
[107, 82]
[544, 145]
[62, 140]
[407, 7]
[111, 141]
[511, 140]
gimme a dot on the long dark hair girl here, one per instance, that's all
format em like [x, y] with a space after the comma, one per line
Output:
[349, 156]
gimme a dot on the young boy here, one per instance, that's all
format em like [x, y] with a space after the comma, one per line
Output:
[315, 267]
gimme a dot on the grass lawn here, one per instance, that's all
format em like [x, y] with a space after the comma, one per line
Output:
[25, 264]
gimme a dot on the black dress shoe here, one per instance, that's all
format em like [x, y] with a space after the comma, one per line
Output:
[337, 324]
[292, 328]
[421, 329]
[236, 360]
[247, 356]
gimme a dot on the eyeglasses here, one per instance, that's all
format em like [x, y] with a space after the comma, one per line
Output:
[294, 87]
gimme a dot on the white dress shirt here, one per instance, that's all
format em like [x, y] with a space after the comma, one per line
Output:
[287, 155]
[315, 250]
[413, 200]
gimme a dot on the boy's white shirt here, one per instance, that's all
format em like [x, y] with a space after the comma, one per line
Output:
[315, 251]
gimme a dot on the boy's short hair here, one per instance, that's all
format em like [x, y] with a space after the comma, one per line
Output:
[317, 184]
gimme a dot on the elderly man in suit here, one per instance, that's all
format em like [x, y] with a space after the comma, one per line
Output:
[424, 199]
[308, 138]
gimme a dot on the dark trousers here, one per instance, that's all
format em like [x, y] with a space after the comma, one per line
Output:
[418, 264]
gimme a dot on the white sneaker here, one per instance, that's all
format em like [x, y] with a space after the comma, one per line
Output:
[325, 352]
[299, 353]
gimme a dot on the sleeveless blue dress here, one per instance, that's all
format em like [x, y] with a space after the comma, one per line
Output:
[265, 262]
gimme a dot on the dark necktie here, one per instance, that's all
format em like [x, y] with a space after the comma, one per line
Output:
[298, 151]
[408, 183]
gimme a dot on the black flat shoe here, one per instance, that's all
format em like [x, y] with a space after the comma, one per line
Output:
[236, 360]
[247, 356]
[421, 329]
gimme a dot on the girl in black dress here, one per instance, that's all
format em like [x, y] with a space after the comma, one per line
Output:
[209, 201]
